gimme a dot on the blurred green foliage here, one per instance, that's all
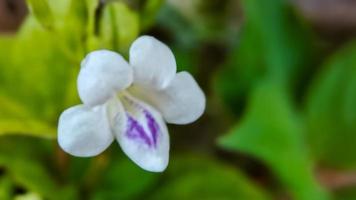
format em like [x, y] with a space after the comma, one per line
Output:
[274, 100]
[331, 106]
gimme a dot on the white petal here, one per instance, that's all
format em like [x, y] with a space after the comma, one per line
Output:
[182, 102]
[153, 62]
[84, 131]
[145, 139]
[117, 116]
[102, 74]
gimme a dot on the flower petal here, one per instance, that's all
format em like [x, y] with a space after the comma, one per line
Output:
[153, 62]
[145, 139]
[84, 131]
[182, 102]
[102, 74]
[117, 115]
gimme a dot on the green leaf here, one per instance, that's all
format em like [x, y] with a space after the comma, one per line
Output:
[35, 178]
[201, 177]
[44, 88]
[24, 160]
[27, 148]
[272, 132]
[25, 172]
[26, 127]
[119, 26]
[274, 42]
[123, 180]
[41, 10]
[32, 176]
[6, 187]
[6, 45]
[331, 110]
[16, 119]
[74, 31]
[281, 35]
[149, 13]
[78, 12]
[37, 81]
[182, 30]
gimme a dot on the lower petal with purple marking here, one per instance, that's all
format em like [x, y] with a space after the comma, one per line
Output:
[145, 138]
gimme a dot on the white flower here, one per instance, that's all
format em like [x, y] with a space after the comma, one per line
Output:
[130, 102]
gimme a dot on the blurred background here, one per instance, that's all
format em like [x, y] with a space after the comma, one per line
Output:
[280, 81]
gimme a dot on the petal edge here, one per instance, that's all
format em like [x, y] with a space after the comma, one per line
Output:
[84, 131]
[182, 102]
[153, 62]
[102, 74]
[146, 139]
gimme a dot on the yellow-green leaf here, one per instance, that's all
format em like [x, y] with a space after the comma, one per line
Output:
[119, 26]
[42, 11]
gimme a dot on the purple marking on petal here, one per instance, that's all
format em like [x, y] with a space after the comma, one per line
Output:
[152, 125]
[135, 130]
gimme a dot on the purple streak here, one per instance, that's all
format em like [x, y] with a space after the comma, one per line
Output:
[153, 126]
[135, 130]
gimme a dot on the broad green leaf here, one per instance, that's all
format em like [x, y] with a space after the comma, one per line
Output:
[201, 177]
[26, 127]
[16, 119]
[271, 131]
[37, 81]
[24, 160]
[273, 42]
[331, 110]
[78, 12]
[34, 177]
[280, 34]
[123, 180]
[42, 11]
[23, 164]
[6, 187]
[10, 108]
[39, 78]
[26, 147]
